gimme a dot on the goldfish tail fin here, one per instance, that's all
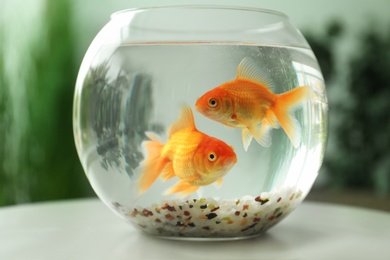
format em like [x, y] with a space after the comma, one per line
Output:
[284, 108]
[183, 187]
[186, 120]
[153, 164]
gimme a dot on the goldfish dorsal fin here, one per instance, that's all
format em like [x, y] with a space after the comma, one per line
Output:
[248, 69]
[186, 120]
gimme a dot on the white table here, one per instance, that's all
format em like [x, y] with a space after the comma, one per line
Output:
[86, 229]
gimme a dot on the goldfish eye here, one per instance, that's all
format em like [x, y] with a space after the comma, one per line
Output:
[213, 102]
[212, 157]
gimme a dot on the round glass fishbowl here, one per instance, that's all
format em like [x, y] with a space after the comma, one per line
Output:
[200, 122]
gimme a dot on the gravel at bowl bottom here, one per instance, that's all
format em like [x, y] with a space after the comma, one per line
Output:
[213, 217]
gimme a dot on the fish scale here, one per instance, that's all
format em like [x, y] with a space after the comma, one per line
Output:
[181, 149]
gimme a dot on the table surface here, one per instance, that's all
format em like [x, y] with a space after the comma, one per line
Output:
[86, 229]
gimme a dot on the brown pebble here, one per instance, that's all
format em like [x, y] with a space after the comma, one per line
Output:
[134, 213]
[158, 220]
[256, 219]
[262, 201]
[245, 215]
[271, 217]
[214, 209]
[279, 199]
[206, 228]
[292, 196]
[187, 213]
[147, 213]
[169, 217]
[245, 207]
[237, 213]
[169, 207]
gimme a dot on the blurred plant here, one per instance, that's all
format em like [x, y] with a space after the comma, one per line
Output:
[119, 111]
[364, 139]
[323, 47]
[37, 74]
[361, 159]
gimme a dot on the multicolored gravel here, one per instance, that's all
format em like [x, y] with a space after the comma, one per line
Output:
[212, 217]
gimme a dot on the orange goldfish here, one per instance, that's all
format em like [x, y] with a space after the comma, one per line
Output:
[194, 157]
[247, 102]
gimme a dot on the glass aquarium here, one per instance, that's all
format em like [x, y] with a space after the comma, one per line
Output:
[200, 122]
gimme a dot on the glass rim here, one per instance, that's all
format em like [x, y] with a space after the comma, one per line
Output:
[202, 6]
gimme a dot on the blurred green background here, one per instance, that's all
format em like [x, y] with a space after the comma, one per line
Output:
[42, 43]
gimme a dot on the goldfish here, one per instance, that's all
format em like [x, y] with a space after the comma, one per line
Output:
[194, 157]
[248, 102]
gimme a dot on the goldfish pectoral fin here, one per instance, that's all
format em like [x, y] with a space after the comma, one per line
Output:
[219, 182]
[246, 138]
[182, 187]
[270, 118]
[168, 172]
[248, 69]
[262, 134]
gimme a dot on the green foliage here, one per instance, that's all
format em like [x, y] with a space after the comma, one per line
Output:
[3, 121]
[51, 109]
[48, 167]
